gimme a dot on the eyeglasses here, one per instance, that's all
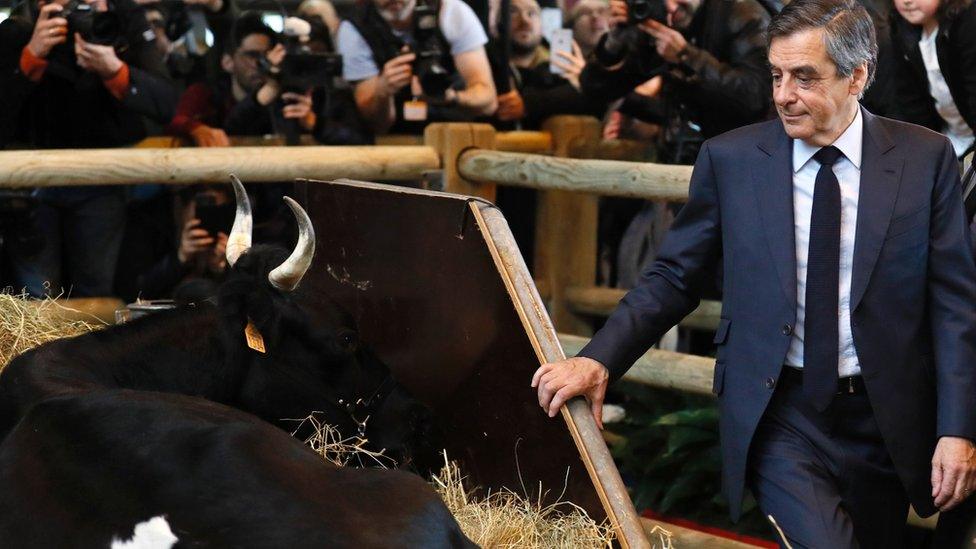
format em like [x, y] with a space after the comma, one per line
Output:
[252, 56]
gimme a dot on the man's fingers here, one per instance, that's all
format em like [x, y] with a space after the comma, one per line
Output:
[545, 396]
[576, 50]
[936, 477]
[596, 406]
[559, 399]
[947, 489]
[538, 374]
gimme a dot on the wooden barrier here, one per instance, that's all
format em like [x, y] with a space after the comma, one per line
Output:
[600, 301]
[602, 177]
[47, 168]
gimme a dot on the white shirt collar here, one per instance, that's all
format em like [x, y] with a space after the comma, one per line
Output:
[849, 144]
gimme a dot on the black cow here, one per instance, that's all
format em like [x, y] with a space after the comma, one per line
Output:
[111, 428]
[84, 469]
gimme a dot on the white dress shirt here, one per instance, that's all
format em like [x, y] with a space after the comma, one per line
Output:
[956, 129]
[848, 172]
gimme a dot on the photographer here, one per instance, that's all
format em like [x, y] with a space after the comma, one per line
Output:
[538, 92]
[710, 55]
[247, 101]
[160, 260]
[81, 75]
[412, 63]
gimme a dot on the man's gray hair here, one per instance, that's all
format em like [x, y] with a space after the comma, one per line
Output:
[849, 34]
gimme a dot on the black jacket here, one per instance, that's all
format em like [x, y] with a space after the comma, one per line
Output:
[956, 49]
[71, 108]
[721, 83]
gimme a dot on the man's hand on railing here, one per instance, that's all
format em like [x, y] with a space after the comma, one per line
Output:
[557, 382]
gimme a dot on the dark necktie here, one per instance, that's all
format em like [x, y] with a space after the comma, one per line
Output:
[821, 334]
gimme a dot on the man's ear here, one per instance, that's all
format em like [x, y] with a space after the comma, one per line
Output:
[227, 62]
[859, 79]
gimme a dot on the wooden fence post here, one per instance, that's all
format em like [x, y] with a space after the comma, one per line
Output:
[450, 140]
[566, 228]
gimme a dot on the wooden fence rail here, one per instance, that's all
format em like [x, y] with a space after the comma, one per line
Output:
[46, 168]
[602, 177]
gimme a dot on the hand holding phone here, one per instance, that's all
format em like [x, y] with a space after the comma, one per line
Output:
[562, 41]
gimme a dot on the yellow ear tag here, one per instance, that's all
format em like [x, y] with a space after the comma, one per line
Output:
[253, 336]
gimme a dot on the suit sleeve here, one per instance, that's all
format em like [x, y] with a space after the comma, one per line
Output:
[671, 287]
[952, 304]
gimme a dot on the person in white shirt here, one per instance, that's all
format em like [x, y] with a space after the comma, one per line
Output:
[935, 42]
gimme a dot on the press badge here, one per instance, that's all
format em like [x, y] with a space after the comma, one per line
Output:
[415, 110]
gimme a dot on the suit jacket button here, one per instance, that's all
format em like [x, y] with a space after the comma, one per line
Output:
[770, 383]
[787, 329]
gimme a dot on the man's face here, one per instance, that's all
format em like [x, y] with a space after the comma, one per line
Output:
[681, 12]
[814, 102]
[526, 25]
[395, 11]
[244, 67]
[592, 22]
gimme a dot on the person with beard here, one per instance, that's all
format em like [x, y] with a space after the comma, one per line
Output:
[537, 92]
[378, 48]
[61, 91]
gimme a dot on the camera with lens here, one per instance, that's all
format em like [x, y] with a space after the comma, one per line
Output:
[639, 11]
[98, 27]
[434, 77]
[305, 65]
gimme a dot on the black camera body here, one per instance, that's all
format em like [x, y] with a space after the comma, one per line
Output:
[434, 77]
[98, 27]
[304, 66]
[302, 69]
[639, 11]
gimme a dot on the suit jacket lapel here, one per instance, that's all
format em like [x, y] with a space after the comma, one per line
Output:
[772, 176]
[880, 179]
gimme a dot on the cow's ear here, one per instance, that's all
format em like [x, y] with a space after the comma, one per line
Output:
[348, 340]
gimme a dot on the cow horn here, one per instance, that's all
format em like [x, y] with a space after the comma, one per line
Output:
[239, 240]
[289, 274]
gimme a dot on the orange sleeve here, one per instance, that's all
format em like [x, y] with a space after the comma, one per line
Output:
[31, 65]
[118, 85]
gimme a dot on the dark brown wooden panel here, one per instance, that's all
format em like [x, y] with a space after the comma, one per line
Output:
[414, 271]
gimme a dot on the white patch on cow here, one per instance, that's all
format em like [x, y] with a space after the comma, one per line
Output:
[152, 534]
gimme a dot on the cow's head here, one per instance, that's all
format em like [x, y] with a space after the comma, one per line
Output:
[307, 365]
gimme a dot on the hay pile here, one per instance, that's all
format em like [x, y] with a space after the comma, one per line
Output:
[506, 520]
[26, 323]
[500, 520]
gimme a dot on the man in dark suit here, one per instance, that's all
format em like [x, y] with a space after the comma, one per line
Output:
[846, 363]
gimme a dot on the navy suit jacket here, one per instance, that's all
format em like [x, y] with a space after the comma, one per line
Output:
[913, 295]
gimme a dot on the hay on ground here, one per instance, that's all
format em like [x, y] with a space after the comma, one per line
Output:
[504, 519]
[500, 520]
[26, 323]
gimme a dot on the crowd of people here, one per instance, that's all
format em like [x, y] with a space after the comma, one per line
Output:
[108, 73]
